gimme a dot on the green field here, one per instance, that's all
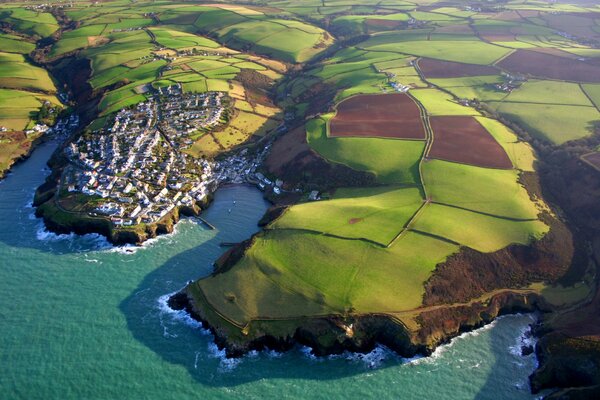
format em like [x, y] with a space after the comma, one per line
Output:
[361, 249]
[439, 103]
[376, 214]
[29, 22]
[392, 161]
[480, 87]
[17, 73]
[466, 51]
[549, 92]
[14, 44]
[477, 231]
[555, 123]
[297, 274]
[520, 153]
[476, 189]
[176, 39]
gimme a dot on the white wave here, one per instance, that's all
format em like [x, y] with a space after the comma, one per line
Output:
[308, 353]
[524, 339]
[90, 241]
[179, 315]
[132, 248]
[196, 360]
[440, 350]
[225, 364]
[373, 359]
[273, 353]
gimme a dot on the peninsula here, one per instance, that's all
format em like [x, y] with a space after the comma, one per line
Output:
[431, 165]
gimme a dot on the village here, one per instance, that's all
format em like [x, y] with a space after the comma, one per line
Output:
[135, 170]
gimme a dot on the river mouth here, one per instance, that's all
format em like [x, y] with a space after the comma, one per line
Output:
[81, 319]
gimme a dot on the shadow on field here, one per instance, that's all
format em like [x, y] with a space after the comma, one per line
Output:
[191, 347]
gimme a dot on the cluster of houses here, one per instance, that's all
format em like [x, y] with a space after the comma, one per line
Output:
[510, 83]
[134, 167]
[60, 130]
[184, 115]
[133, 170]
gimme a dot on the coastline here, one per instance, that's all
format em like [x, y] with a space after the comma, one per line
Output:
[326, 335]
[136, 235]
[25, 156]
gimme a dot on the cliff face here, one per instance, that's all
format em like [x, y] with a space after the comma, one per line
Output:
[465, 292]
[61, 222]
[357, 333]
[565, 362]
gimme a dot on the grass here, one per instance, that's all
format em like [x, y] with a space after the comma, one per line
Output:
[440, 103]
[24, 76]
[466, 51]
[520, 153]
[297, 274]
[376, 214]
[477, 189]
[242, 127]
[29, 22]
[11, 149]
[392, 161]
[195, 86]
[176, 39]
[15, 44]
[593, 91]
[480, 232]
[554, 123]
[478, 87]
[113, 75]
[206, 146]
[290, 41]
[545, 92]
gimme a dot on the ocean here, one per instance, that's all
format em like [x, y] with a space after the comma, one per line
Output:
[81, 319]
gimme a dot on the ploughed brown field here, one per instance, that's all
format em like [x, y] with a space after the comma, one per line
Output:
[465, 140]
[383, 23]
[550, 66]
[382, 115]
[447, 69]
[593, 159]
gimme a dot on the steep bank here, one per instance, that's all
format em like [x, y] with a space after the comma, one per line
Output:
[572, 364]
[62, 222]
[465, 291]
[31, 146]
[500, 287]
[357, 333]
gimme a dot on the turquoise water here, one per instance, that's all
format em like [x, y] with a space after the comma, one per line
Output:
[82, 320]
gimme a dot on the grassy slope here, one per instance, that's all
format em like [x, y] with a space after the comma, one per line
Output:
[480, 232]
[556, 123]
[393, 161]
[377, 214]
[298, 274]
[477, 189]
